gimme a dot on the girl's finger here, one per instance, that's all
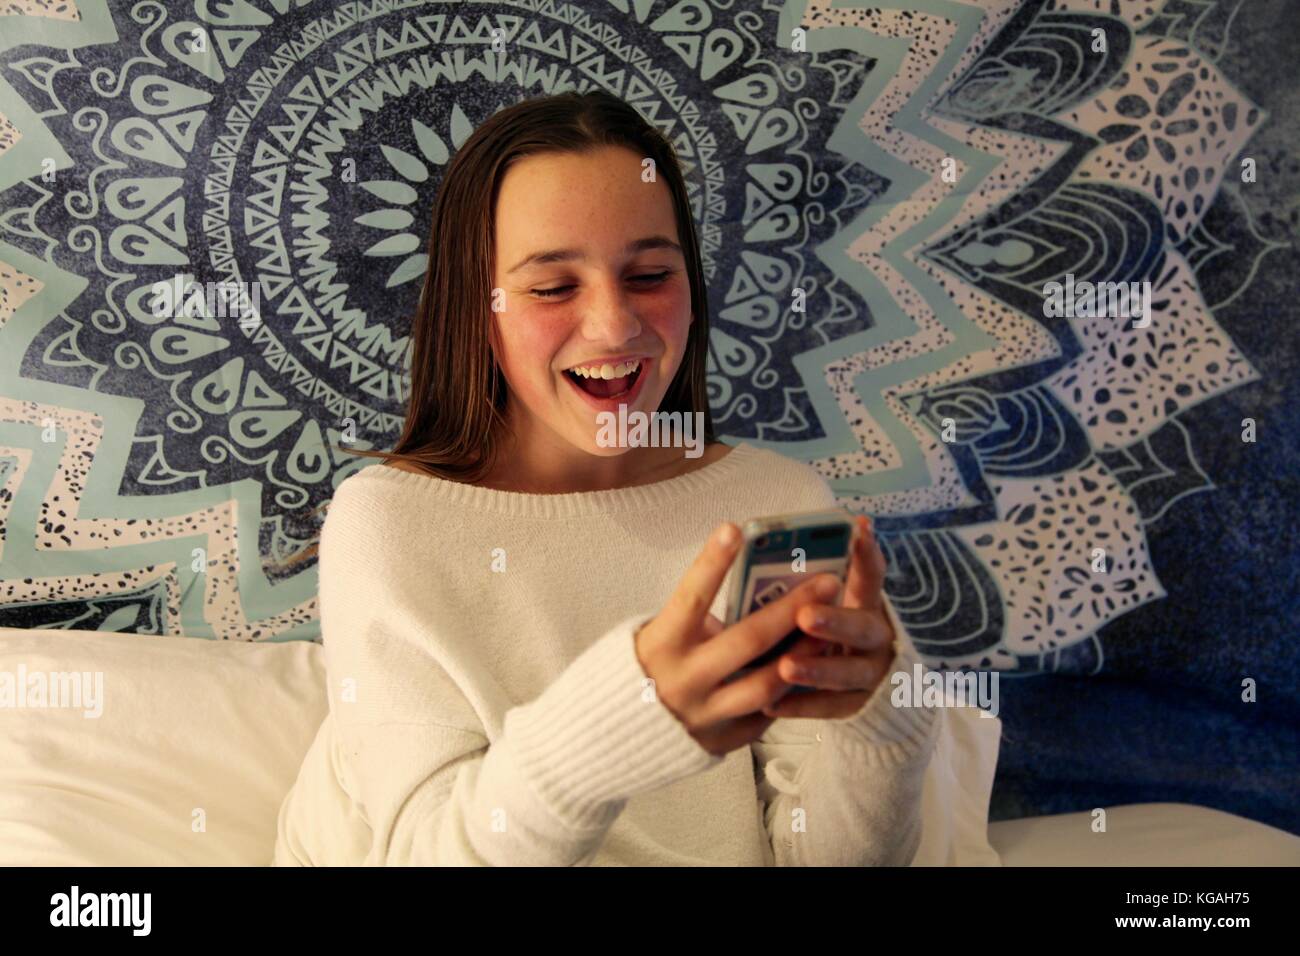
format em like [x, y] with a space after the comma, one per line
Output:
[854, 628]
[684, 614]
[866, 569]
[852, 672]
[717, 659]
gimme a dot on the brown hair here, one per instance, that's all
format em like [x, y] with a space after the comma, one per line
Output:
[458, 393]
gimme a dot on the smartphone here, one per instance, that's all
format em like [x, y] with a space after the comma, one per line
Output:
[777, 555]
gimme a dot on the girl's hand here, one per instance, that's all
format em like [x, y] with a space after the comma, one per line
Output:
[690, 655]
[860, 651]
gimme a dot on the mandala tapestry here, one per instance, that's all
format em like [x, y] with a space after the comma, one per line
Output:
[1094, 508]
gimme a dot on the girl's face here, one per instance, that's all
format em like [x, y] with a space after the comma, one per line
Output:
[588, 275]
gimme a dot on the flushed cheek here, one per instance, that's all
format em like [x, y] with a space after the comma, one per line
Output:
[530, 346]
[671, 325]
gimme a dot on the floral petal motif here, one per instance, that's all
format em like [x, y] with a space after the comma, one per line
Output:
[394, 245]
[390, 190]
[412, 267]
[1129, 381]
[1046, 550]
[406, 164]
[461, 127]
[1171, 124]
[386, 219]
[430, 143]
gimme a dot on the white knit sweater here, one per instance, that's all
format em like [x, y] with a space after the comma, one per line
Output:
[482, 716]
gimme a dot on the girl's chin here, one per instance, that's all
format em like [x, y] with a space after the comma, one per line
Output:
[604, 451]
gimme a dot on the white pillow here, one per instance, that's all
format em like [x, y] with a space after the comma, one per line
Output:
[187, 725]
[957, 789]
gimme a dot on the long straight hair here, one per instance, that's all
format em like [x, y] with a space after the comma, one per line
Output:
[455, 416]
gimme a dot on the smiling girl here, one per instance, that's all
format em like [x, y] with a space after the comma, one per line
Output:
[521, 626]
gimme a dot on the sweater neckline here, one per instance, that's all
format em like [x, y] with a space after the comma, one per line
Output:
[569, 504]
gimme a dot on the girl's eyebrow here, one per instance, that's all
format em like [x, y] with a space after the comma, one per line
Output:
[568, 255]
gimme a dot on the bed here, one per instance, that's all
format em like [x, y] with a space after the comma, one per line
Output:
[183, 750]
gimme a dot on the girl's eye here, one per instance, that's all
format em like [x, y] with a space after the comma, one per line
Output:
[648, 280]
[653, 277]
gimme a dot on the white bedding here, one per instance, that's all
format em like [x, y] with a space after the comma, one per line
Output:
[200, 740]
[1144, 834]
[188, 725]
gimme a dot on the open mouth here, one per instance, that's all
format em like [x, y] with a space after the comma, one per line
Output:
[606, 381]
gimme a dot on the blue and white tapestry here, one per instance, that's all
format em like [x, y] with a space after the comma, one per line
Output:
[1100, 508]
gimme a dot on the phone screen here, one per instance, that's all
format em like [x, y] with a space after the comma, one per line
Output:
[778, 561]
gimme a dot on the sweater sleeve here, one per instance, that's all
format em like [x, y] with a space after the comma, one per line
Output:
[417, 763]
[848, 792]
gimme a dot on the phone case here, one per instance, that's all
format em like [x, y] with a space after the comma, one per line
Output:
[778, 554]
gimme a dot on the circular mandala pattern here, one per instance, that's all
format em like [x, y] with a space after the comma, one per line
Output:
[912, 175]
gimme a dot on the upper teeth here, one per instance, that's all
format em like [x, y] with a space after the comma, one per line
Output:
[606, 370]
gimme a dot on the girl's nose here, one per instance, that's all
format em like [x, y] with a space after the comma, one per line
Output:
[608, 314]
